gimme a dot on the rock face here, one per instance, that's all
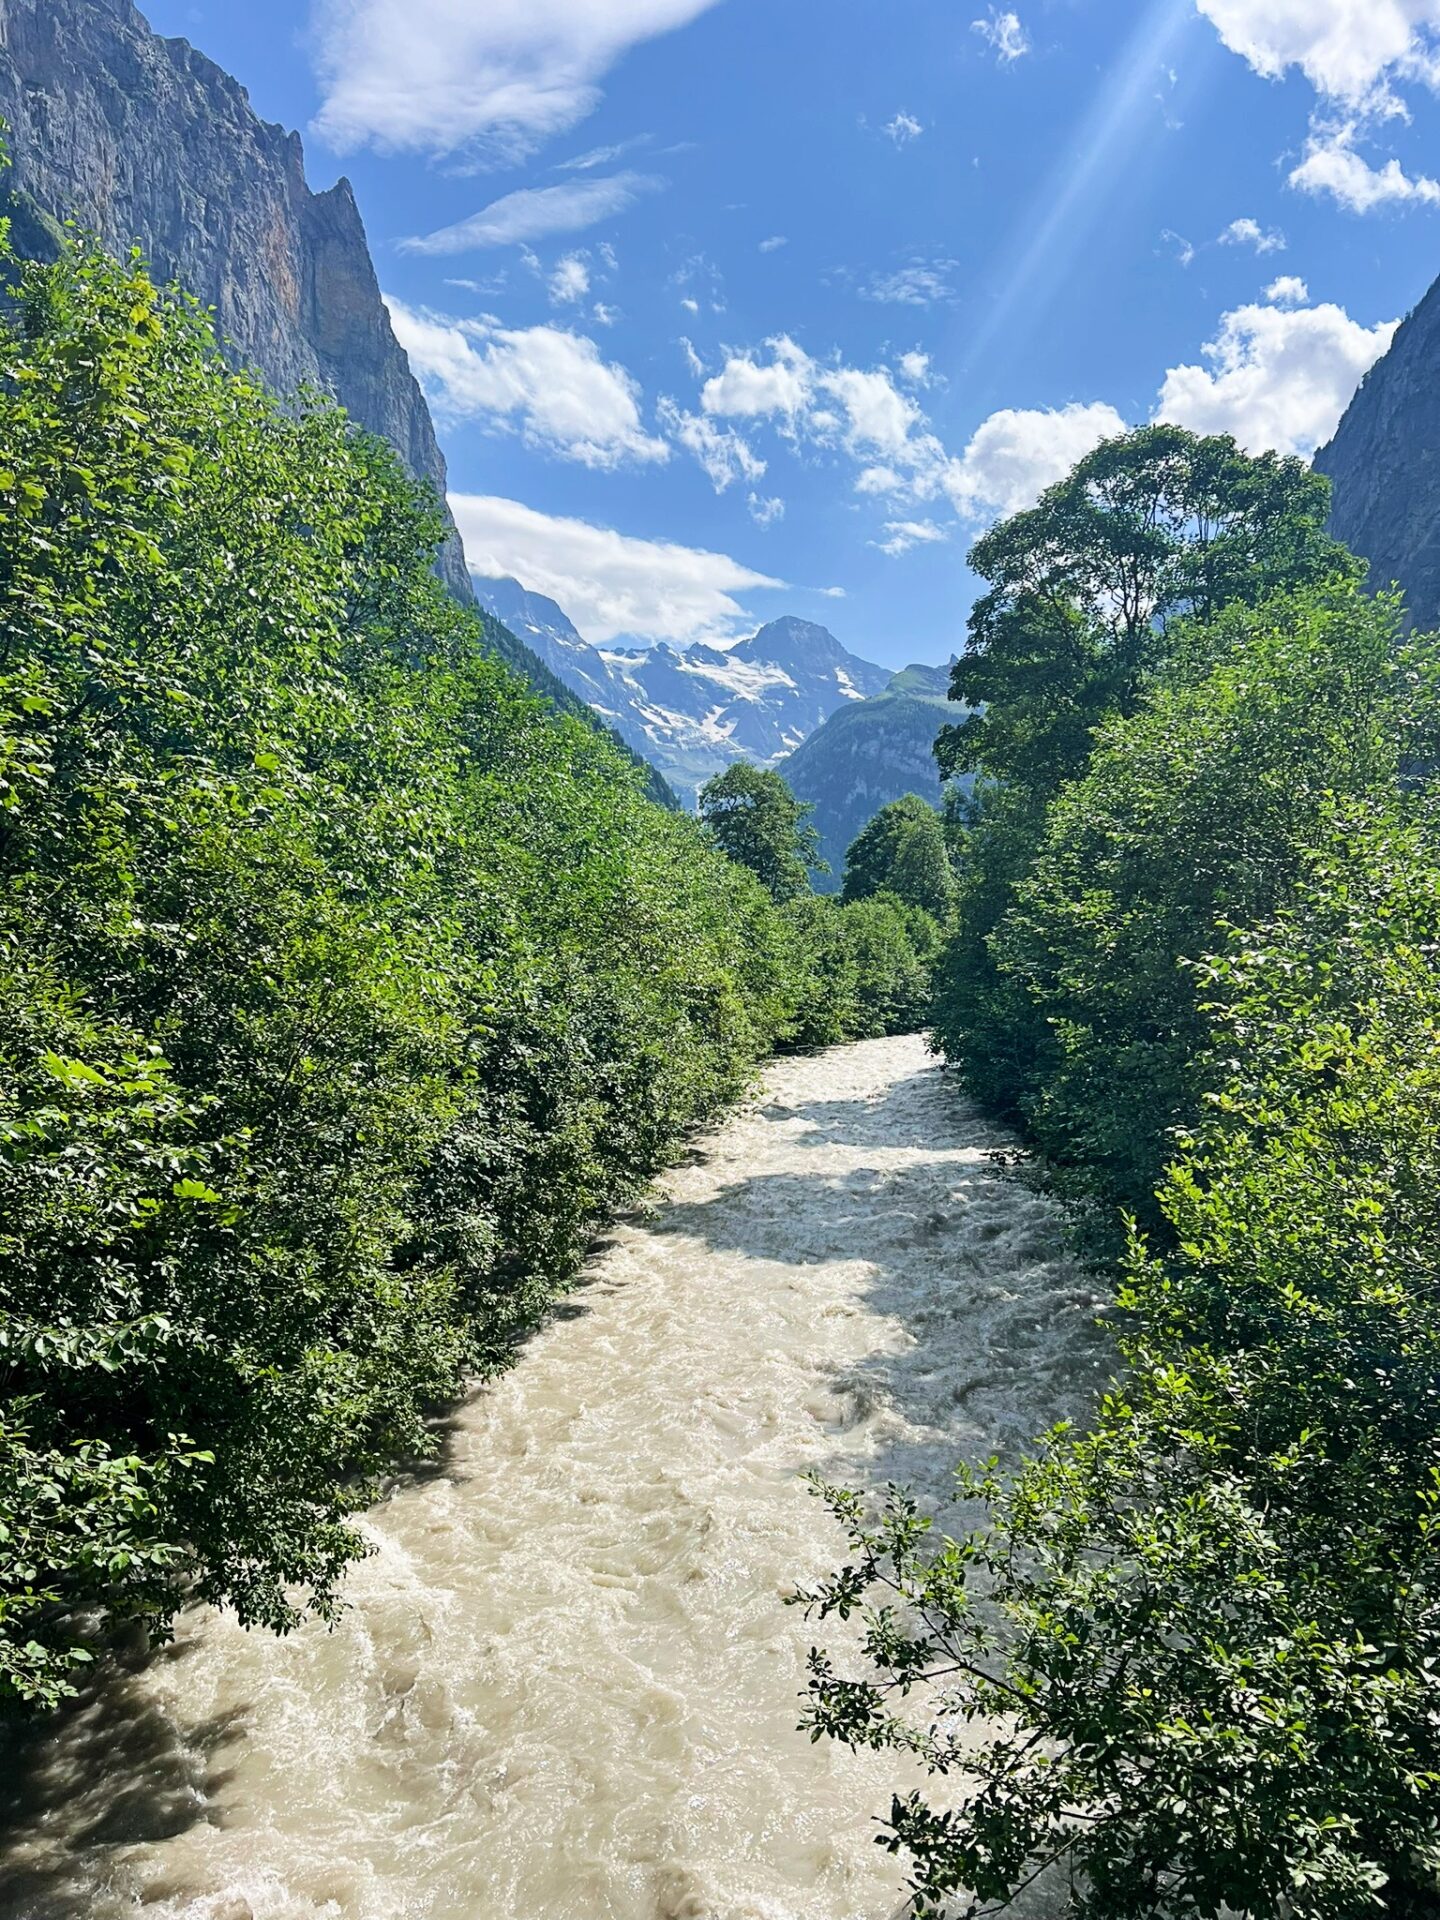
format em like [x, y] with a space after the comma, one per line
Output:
[693, 711]
[867, 755]
[146, 142]
[1384, 464]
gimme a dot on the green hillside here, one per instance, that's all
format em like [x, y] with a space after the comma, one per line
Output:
[868, 754]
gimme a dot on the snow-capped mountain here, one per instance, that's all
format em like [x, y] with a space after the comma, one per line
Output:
[691, 711]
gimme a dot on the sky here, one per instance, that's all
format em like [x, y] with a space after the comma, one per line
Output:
[734, 308]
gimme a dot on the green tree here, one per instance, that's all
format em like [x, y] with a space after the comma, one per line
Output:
[1091, 592]
[1196, 812]
[902, 851]
[1155, 526]
[756, 821]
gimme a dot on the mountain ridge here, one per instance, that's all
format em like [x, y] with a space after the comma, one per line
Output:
[868, 754]
[693, 710]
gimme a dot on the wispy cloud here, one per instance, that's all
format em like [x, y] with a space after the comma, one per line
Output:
[437, 76]
[1004, 33]
[904, 128]
[923, 283]
[902, 535]
[1249, 233]
[1359, 56]
[532, 213]
[547, 384]
[1331, 166]
[610, 583]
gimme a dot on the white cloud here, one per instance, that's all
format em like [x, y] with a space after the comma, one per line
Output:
[765, 512]
[904, 128]
[723, 453]
[1275, 378]
[860, 409]
[1347, 49]
[774, 243]
[746, 389]
[902, 535]
[609, 583]
[692, 358]
[605, 316]
[601, 156]
[570, 281]
[544, 382]
[1331, 165]
[915, 367]
[1356, 54]
[1288, 291]
[438, 75]
[1004, 33]
[862, 413]
[879, 480]
[1250, 233]
[533, 212]
[1018, 452]
[1184, 249]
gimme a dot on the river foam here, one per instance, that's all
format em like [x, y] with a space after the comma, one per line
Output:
[567, 1684]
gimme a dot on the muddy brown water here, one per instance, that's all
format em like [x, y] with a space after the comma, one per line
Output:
[567, 1685]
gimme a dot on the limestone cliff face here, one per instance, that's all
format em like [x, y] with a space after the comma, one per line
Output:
[1384, 464]
[146, 142]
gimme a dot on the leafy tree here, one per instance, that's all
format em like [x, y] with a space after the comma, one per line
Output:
[756, 821]
[1091, 593]
[902, 851]
[1155, 526]
[1196, 812]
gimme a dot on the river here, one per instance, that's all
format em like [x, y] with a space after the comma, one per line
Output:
[567, 1685]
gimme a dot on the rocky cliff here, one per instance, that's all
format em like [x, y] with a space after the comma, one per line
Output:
[1384, 464]
[146, 142]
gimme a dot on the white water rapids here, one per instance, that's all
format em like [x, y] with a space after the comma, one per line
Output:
[567, 1687]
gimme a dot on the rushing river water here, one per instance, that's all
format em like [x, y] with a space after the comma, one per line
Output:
[567, 1687]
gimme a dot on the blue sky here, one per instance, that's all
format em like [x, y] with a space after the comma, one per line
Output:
[733, 308]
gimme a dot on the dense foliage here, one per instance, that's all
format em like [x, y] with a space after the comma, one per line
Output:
[1187, 1665]
[341, 983]
[754, 818]
[902, 852]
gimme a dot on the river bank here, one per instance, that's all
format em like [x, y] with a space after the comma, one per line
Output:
[567, 1685]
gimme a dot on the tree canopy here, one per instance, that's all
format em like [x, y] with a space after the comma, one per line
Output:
[756, 821]
[1156, 526]
[902, 852]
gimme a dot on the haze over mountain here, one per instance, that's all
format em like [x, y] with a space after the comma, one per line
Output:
[691, 711]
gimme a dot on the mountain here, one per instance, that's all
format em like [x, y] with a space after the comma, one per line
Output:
[1384, 465]
[146, 142]
[692, 711]
[869, 754]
